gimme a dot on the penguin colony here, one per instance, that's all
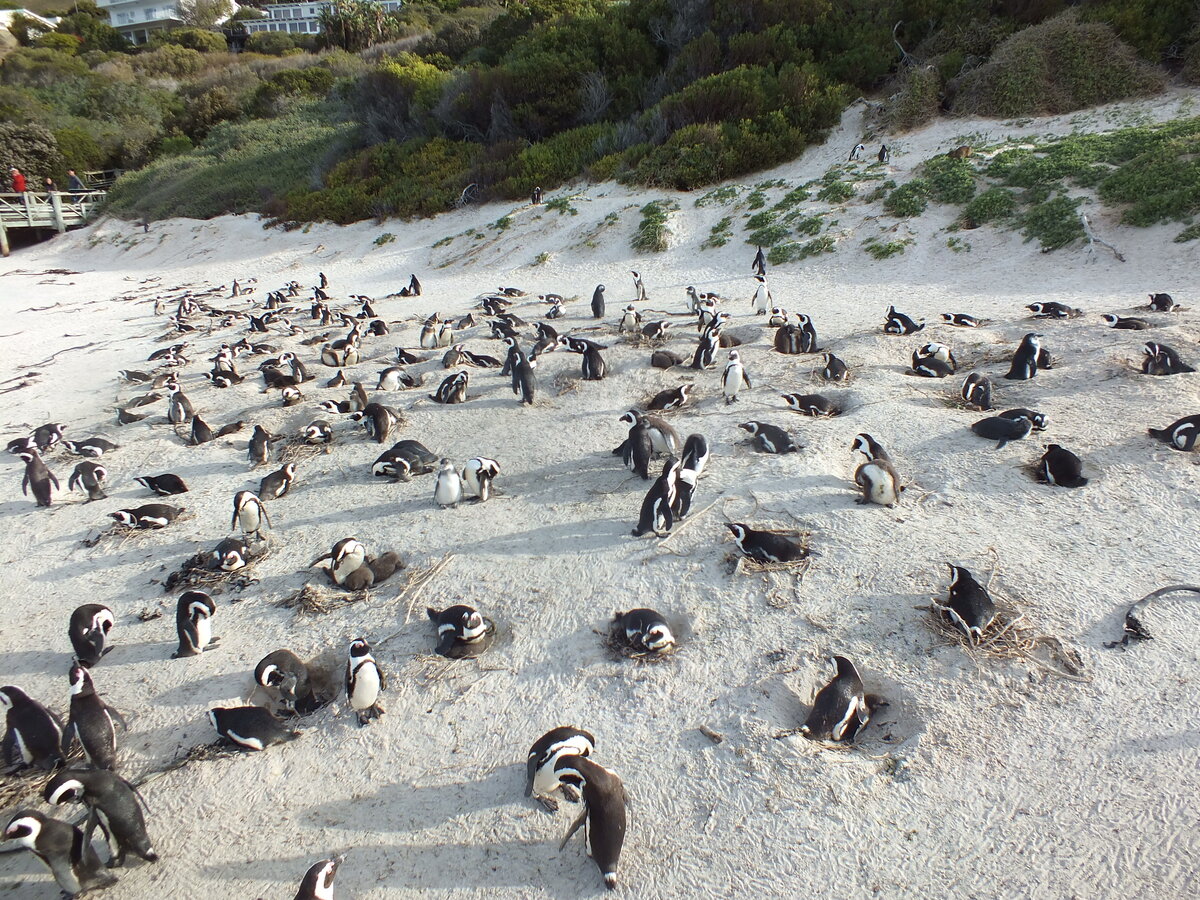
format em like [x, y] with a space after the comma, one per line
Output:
[82, 756]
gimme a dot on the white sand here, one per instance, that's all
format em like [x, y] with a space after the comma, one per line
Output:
[983, 778]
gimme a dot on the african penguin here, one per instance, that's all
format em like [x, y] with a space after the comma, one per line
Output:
[448, 488]
[977, 392]
[1163, 303]
[598, 302]
[765, 546]
[762, 299]
[877, 476]
[1052, 309]
[91, 722]
[811, 404]
[478, 475]
[770, 438]
[899, 323]
[840, 708]
[249, 727]
[92, 447]
[152, 515]
[112, 803]
[835, 370]
[458, 628]
[249, 514]
[644, 630]
[961, 320]
[603, 815]
[364, 682]
[969, 607]
[37, 478]
[231, 554]
[88, 631]
[1060, 466]
[193, 623]
[164, 485]
[347, 555]
[1123, 323]
[71, 860]
[90, 476]
[288, 682]
[656, 513]
[33, 735]
[1027, 359]
[1180, 434]
[1162, 360]
[1003, 429]
[317, 883]
[260, 446]
[540, 778]
[671, 398]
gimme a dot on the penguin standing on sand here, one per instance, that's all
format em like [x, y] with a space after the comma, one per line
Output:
[631, 321]
[762, 299]
[639, 287]
[33, 735]
[37, 478]
[318, 880]
[91, 722]
[540, 778]
[598, 302]
[179, 407]
[364, 682]
[856, 153]
[603, 816]
[524, 379]
[260, 447]
[1060, 466]
[969, 606]
[478, 475]
[885, 154]
[877, 476]
[112, 803]
[840, 708]
[691, 467]
[656, 514]
[70, 859]
[193, 623]
[1027, 359]
[594, 368]
[90, 476]
[88, 631]
[808, 334]
[249, 513]
[638, 448]
[734, 377]
[447, 489]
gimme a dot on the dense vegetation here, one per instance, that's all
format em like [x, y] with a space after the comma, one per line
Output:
[456, 100]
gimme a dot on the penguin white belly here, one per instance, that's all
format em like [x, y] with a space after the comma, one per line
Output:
[26, 756]
[251, 742]
[248, 518]
[366, 688]
[203, 632]
[448, 490]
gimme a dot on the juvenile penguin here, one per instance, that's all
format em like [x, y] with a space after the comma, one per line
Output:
[90, 476]
[88, 631]
[969, 607]
[770, 438]
[286, 678]
[840, 708]
[1060, 466]
[249, 727]
[734, 377]
[364, 682]
[1026, 360]
[1180, 434]
[645, 630]
[112, 803]
[164, 485]
[91, 722]
[70, 859]
[249, 514]
[977, 392]
[598, 302]
[260, 447]
[33, 735]
[448, 489]
[193, 623]
[318, 880]
[278, 483]
[540, 778]
[603, 815]
[478, 475]
[765, 546]
[37, 478]
[458, 628]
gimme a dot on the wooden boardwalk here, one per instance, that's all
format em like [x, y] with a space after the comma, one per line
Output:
[58, 210]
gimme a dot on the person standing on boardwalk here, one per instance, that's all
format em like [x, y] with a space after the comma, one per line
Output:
[18, 180]
[49, 186]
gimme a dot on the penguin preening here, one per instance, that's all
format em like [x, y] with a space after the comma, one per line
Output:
[603, 815]
[644, 630]
[288, 681]
[840, 709]
[541, 780]
[977, 392]
[347, 555]
[478, 475]
[193, 623]
[249, 513]
[91, 722]
[112, 803]
[90, 476]
[70, 859]
[88, 631]
[877, 476]
[1162, 360]
[33, 734]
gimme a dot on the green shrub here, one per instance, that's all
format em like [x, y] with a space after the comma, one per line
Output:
[916, 101]
[174, 145]
[760, 220]
[386, 238]
[792, 198]
[992, 205]
[757, 199]
[1056, 67]
[790, 252]
[653, 234]
[79, 149]
[63, 43]
[723, 195]
[884, 249]
[767, 236]
[809, 225]
[1054, 223]
[836, 192]
[1160, 185]
[200, 39]
[880, 191]
[909, 199]
[562, 205]
[170, 60]
[502, 223]
[32, 149]
[271, 43]
[1191, 233]
[719, 235]
[950, 180]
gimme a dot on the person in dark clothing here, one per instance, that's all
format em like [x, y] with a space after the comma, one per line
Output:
[18, 180]
[74, 183]
[49, 186]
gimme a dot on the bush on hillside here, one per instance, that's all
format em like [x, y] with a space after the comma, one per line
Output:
[993, 205]
[170, 61]
[199, 39]
[950, 180]
[1152, 27]
[908, 200]
[79, 149]
[1191, 64]
[33, 68]
[63, 43]
[32, 149]
[271, 43]
[1054, 223]
[916, 100]
[1056, 67]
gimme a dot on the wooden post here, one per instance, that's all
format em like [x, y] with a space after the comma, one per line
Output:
[56, 207]
[3, 239]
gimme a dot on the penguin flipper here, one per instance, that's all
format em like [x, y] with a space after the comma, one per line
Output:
[55, 480]
[574, 827]
[25, 485]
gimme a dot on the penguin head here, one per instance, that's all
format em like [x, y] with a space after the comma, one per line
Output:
[738, 530]
[600, 288]
[198, 605]
[63, 788]
[359, 648]
[81, 681]
[1035, 307]
[734, 356]
[289, 471]
[1110, 320]
[25, 827]
[751, 427]
[232, 558]
[10, 695]
[842, 667]
[958, 574]
[318, 880]
[124, 517]
[658, 637]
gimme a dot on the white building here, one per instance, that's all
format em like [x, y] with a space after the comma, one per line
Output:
[299, 18]
[46, 23]
[138, 19]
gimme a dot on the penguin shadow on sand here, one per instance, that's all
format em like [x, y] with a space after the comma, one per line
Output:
[199, 688]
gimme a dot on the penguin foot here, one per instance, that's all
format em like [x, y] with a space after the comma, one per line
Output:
[550, 804]
[570, 793]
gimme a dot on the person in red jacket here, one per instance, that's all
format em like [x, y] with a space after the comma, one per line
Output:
[18, 180]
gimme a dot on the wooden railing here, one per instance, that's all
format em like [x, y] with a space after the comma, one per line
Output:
[56, 209]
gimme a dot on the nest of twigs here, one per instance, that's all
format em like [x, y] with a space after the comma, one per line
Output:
[564, 383]
[197, 572]
[619, 648]
[744, 565]
[118, 535]
[23, 787]
[296, 449]
[316, 600]
[1012, 637]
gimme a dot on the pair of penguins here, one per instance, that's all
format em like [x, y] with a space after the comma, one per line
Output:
[670, 497]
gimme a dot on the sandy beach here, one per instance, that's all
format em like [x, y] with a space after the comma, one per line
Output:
[985, 776]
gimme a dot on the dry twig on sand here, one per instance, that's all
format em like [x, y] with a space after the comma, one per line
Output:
[313, 599]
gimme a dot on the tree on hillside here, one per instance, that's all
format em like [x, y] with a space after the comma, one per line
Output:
[204, 13]
[32, 149]
[355, 25]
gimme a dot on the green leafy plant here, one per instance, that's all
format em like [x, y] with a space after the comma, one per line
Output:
[653, 233]
[909, 199]
[720, 234]
[386, 238]
[885, 249]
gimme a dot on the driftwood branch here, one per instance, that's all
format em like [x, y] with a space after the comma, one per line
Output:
[1093, 241]
[906, 58]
